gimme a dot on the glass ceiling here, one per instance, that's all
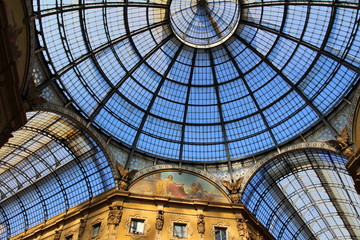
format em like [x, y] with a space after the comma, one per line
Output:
[49, 166]
[203, 23]
[201, 80]
[305, 195]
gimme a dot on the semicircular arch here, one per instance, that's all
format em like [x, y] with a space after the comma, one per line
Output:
[54, 160]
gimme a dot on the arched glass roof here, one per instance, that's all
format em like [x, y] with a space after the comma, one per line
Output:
[49, 166]
[142, 73]
[305, 194]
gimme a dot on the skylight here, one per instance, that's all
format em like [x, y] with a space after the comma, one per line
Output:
[184, 82]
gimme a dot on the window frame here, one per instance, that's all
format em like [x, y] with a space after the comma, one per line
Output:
[220, 229]
[137, 220]
[96, 233]
[69, 237]
[183, 227]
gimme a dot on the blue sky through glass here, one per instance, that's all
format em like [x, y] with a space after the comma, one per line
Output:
[282, 70]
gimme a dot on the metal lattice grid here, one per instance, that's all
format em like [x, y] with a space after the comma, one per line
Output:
[283, 69]
[305, 194]
[50, 165]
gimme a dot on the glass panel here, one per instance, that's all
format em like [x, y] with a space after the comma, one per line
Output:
[137, 226]
[96, 230]
[220, 233]
[274, 67]
[305, 195]
[179, 230]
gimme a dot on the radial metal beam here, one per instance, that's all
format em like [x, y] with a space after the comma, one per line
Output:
[269, 130]
[292, 85]
[183, 128]
[305, 44]
[95, 51]
[128, 74]
[152, 101]
[155, 94]
[251, 94]
[221, 114]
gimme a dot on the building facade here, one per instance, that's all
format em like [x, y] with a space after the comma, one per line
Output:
[179, 120]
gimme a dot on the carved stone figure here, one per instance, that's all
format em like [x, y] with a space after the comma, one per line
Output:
[82, 227]
[115, 215]
[57, 235]
[242, 228]
[201, 224]
[160, 220]
[125, 176]
[342, 143]
[233, 187]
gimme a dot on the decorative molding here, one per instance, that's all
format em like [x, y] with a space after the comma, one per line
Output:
[82, 226]
[354, 101]
[189, 230]
[88, 233]
[201, 224]
[300, 146]
[114, 215]
[159, 220]
[242, 228]
[229, 235]
[134, 235]
[353, 167]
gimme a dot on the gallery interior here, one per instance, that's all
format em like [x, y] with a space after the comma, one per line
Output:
[179, 119]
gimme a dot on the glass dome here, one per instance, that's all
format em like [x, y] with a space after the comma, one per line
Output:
[203, 23]
[201, 80]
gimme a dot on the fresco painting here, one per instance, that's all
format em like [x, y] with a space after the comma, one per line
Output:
[177, 185]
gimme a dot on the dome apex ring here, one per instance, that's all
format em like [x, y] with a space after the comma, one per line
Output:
[204, 23]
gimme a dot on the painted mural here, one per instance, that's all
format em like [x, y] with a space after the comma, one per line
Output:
[177, 185]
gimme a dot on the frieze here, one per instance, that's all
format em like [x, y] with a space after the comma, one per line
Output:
[176, 167]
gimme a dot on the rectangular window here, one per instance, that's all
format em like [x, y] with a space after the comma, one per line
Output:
[220, 233]
[137, 226]
[69, 237]
[179, 230]
[95, 230]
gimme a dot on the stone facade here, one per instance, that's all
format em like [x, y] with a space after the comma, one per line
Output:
[90, 220]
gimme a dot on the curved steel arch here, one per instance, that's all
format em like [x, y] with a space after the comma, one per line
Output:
[56, 181]
[292, 174]
[85, 127]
